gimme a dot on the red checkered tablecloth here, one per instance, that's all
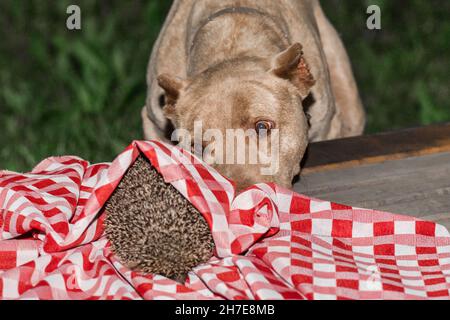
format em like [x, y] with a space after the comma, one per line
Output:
[271, 243]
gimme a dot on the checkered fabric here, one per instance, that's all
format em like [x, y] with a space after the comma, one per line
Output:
[271, 243]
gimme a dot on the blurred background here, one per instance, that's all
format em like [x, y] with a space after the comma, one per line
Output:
[80, 92]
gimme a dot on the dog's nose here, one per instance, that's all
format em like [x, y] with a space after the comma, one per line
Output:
[243, 185]
[240, 188]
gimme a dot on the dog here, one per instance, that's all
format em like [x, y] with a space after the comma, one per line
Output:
[243, 64]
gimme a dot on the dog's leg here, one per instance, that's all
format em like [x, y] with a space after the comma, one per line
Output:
[350, 115]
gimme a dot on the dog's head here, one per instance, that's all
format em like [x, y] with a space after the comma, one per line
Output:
[245, 116]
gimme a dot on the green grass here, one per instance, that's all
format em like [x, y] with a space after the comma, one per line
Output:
[80, 92]
[402, 70]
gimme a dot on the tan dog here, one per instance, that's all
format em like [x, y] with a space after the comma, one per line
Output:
[239, 64]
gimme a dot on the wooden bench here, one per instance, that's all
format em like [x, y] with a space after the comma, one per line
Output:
[406, 172]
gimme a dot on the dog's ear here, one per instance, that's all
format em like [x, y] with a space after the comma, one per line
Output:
[172, 87]
[291, 65]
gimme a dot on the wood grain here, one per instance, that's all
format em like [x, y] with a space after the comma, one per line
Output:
[417, 186]
[371, 149]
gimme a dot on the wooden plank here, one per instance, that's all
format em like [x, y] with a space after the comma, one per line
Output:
[417, 186]
[370, 149]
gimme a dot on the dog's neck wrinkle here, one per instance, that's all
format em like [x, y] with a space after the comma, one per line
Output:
[282, 27]
[205, 51]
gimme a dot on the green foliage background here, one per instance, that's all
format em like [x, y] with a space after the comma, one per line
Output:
[80, 92]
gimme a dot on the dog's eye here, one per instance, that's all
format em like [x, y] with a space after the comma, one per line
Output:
[263, 126]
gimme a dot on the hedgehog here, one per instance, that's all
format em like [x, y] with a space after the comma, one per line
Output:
[153, 228]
